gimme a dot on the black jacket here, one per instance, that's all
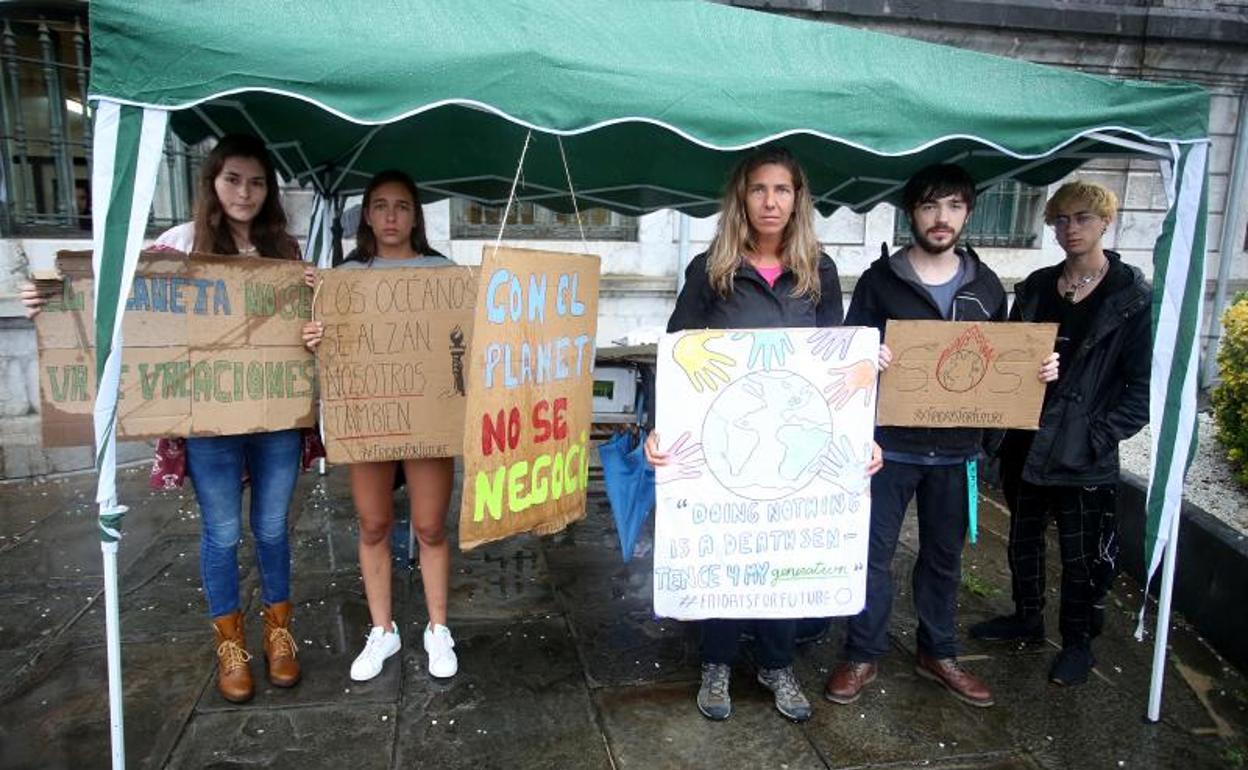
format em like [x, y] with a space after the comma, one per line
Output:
[753, 304]
[889, 289]
[1101, 394]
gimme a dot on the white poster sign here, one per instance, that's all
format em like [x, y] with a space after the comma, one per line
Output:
[764, 507]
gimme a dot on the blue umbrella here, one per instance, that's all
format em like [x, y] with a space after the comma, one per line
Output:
[630, 485]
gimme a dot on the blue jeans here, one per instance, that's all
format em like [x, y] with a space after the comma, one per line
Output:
[215, 465]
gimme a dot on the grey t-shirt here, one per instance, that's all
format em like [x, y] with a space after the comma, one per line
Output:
[944, 293]
[425, 260]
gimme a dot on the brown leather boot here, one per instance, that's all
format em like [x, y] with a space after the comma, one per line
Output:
[964, 685]
[233, 672]
[847, 681]
[279, 646]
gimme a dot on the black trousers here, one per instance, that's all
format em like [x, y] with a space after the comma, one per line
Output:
[1087, 528]
[941, 493]
[773, 641]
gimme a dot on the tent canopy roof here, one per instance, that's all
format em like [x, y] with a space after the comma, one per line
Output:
[653, 99]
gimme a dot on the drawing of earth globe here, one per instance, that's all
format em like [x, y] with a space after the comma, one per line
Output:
[764, 434]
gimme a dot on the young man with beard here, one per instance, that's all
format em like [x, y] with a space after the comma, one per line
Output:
[1068, 469]
[932, 279]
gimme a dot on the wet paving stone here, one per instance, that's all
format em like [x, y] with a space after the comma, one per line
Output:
[659, 727]
[519, 700]
[344, 736]
[60, 717]
[562, 662]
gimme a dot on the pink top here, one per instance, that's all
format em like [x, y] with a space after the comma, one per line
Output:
[770, 274]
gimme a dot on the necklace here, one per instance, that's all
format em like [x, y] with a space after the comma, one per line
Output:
[1073, 286]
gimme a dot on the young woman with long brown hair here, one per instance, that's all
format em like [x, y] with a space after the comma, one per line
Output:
[392, 234]
[238, 211]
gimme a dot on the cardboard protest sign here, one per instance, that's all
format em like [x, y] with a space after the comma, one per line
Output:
[949, 374]
[391, 363]
[204, 336]
[526, 436]
[763, 510]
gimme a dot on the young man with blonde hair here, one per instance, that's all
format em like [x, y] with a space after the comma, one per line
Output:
[1068, 469]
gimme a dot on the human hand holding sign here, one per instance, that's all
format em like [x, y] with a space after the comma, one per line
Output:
[682, 460]
[767, 346]
[704, 367]
[845, 382]
[1049, 368]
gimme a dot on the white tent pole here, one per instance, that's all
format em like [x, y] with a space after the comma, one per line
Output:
[112, 628]
[123, 194]
[1163, 622]
[1173, 407]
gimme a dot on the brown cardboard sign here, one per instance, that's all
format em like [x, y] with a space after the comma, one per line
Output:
[204, 336]
[526, 434]
[391, 363]
[951, 374]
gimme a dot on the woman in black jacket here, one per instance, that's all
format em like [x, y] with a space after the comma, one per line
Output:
[764, 269]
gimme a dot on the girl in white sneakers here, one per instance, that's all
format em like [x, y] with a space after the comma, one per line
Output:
[392, 234]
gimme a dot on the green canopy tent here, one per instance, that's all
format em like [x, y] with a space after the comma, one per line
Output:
[638, 106]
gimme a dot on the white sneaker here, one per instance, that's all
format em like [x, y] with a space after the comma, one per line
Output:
[439, 644]
[381, 644]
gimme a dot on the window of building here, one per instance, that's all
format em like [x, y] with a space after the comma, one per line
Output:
[1006, 215]
[45, 135]
[470, 220]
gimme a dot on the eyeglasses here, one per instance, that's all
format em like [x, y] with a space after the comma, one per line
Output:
[1081, 220]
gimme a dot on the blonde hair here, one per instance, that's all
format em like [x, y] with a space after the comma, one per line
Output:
[1099, 199]
[799, 248]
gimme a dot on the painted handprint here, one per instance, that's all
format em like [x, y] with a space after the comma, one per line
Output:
[826, 343]
[704, 367]
[845, 465]
[684, 461]
[845, 382]
[767, 348]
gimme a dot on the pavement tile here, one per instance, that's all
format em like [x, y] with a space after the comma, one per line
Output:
[356, 736]
[519, 700]
[658, 727]
[60, 717]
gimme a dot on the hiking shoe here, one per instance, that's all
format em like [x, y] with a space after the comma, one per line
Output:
[1071, 666]
[380, 645]
[789, 698]
[1010, 628]
[440, 646]
[713, 700]
[847, 681]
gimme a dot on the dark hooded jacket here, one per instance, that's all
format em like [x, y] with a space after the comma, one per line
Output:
[753, 304]
[1101, 395]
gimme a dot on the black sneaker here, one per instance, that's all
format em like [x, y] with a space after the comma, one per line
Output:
[1071, 666]
[1010, 628]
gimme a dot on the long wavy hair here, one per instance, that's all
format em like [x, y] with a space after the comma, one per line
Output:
[212, 228]
[366, 239]
[734, 238]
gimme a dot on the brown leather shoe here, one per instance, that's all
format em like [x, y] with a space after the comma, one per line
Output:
[847, 681]
[964, 685]
[233, 672]
[279, 646]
